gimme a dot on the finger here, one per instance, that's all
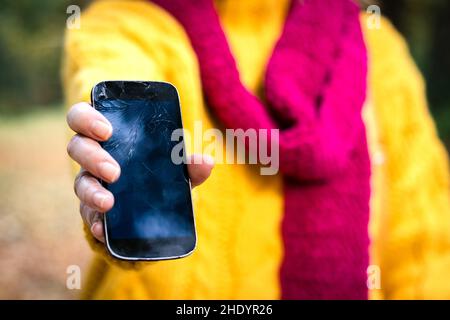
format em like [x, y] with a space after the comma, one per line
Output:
[84, 119]
[199, 168]
[90, 192]
[92, 157]
[93, 220]
[97, 231]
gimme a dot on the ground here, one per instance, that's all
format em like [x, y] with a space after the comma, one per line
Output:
[40, 228]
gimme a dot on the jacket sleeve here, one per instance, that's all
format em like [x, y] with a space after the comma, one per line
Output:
[413, 239]
[120, 40]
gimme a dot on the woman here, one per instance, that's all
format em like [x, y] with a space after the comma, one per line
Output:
[302, 234]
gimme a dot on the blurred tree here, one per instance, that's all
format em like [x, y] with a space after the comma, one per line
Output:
[31, 38]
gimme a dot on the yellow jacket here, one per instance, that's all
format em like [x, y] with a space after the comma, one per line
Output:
[237, 258]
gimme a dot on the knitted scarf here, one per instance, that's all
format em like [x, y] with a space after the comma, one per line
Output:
[314, 89]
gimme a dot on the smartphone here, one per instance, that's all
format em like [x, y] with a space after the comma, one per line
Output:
[152, 217]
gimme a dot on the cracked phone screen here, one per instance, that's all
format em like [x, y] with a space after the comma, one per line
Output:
[152, 195]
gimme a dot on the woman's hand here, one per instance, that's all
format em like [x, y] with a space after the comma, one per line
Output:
[91, 126]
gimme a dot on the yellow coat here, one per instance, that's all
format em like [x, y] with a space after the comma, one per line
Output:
[239, 211]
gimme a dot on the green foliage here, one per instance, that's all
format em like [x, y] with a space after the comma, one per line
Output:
[31, 39]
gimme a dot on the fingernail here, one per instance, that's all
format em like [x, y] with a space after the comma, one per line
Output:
[109, 171]
[101, 129]
[208, 159]
[100, 198]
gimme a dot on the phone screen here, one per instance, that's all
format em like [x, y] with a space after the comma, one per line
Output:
[152, 217]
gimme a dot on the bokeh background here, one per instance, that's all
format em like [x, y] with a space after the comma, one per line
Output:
[40, 230]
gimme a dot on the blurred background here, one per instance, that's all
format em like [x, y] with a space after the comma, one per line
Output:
[40, 230]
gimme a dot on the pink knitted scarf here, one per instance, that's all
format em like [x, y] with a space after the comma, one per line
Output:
[314, 89]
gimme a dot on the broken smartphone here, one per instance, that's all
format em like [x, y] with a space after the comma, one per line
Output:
[152, 217]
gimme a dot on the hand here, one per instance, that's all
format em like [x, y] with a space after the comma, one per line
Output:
[91, 126]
